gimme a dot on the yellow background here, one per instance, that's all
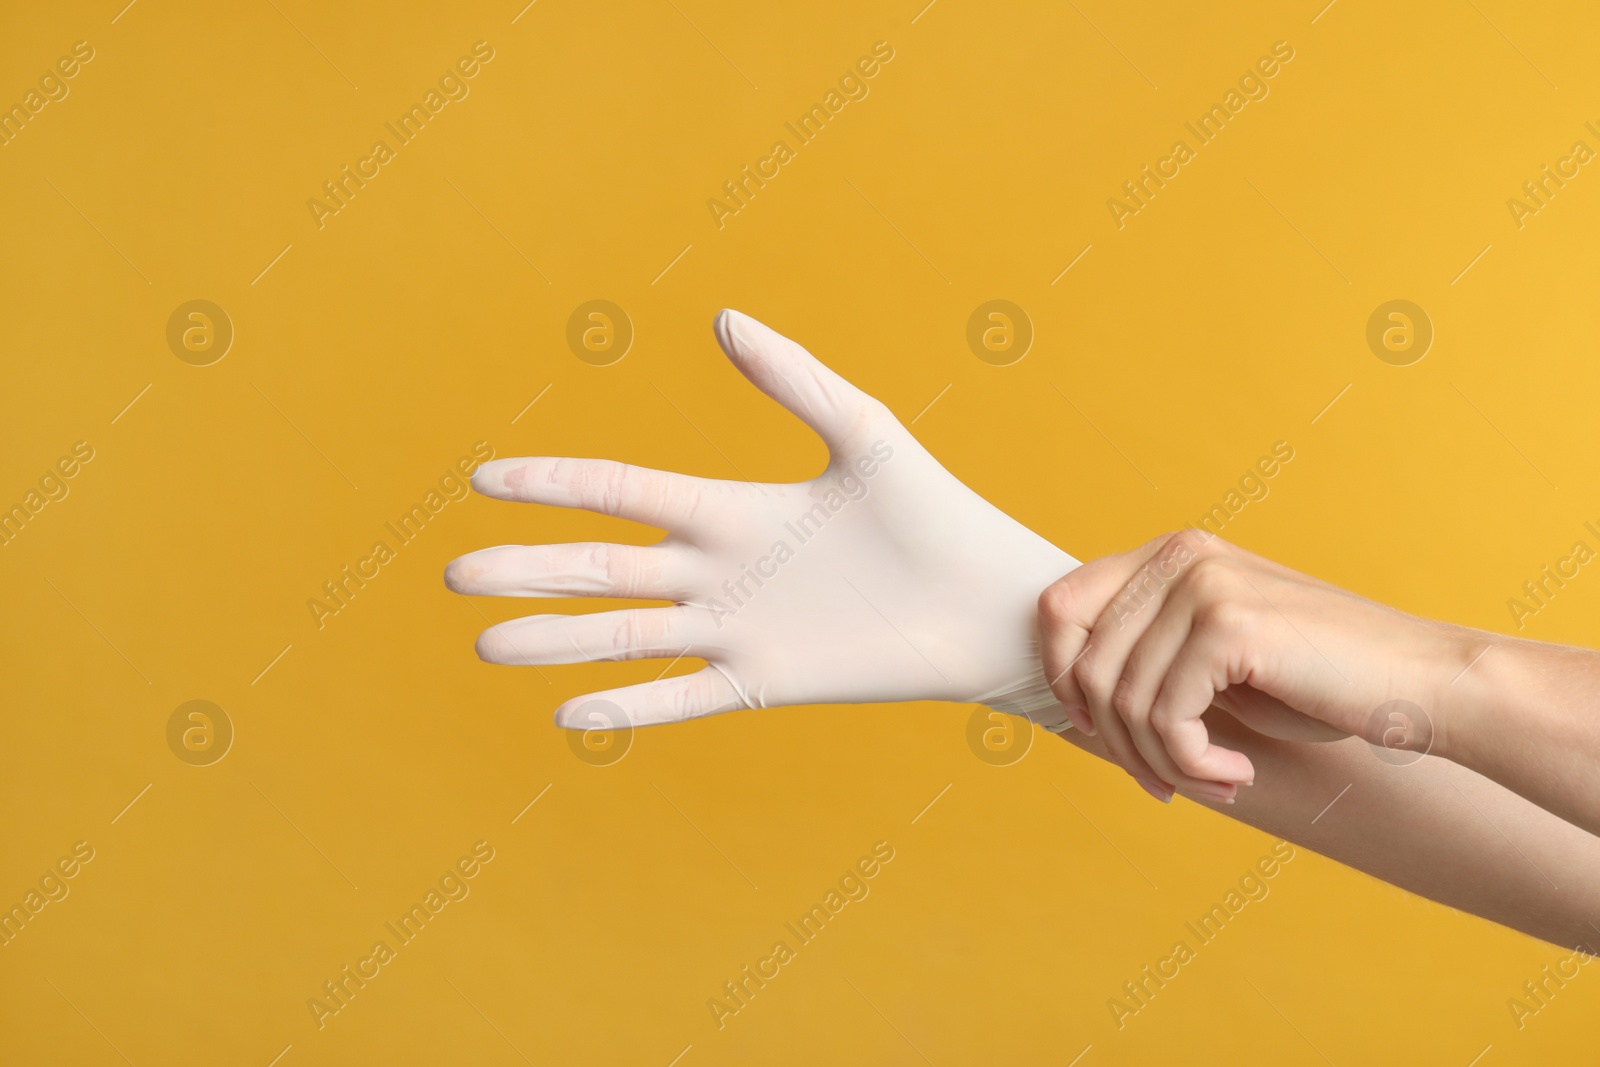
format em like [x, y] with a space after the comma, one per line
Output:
[1224, 317]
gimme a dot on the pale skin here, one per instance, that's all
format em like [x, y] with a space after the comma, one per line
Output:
[1433, 828]
[1140, 645]
[1163, 656]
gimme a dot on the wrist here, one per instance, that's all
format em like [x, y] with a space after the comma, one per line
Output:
[1471, 665]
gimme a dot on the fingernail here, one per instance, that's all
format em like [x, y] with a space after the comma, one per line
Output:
[1083, 717]
[1151, 788]
[1211, 790]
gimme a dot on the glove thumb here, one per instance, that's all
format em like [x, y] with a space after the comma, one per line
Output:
[793, 377]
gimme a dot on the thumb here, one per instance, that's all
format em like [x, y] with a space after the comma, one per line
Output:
[1266, 714]
[794, 378]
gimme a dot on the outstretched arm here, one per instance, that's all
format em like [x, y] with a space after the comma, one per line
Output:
[1433, 827]
[884, 579]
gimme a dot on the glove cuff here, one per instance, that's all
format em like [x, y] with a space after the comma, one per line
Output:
[1034, 702]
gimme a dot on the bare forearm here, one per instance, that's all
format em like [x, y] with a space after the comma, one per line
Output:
[1528, 715]
[1434, 828]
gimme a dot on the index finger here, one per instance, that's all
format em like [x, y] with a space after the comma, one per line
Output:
[1068, 610]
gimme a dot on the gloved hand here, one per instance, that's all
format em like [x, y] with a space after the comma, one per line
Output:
[881, 579]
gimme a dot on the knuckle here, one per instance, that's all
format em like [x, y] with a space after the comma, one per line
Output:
[1204, 543]
[1055, 603]
[689, 700]
[1211, 578]
[1163, 721]
[598, 484]
[619, 568]
[649, 493]
[1095, 681]
[1178, 552]
[1124, 702]
[1226, 616]
[630, 633]
[1183, 546]
[614, 484]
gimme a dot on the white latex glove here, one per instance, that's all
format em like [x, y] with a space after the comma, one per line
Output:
[882, 579]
